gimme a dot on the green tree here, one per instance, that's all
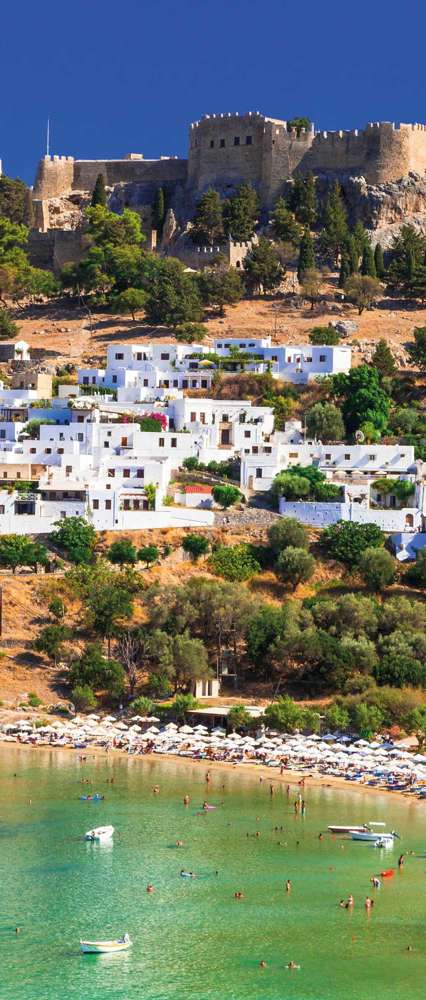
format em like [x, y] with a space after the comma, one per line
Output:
[407, 255]
[207, 226]
[306, 260]
[83, 697]
[347, 541]
[195, 545]
[285, 532]
[383, 360]
[57, 608]
[302, 200]
[149, 554]
[159, 211]
[17, 550]
[28, 213]
[173, 296]
[13, 193]
[363, 398]
[416, 573]
[335, 229]
[182, 704]
[239, 718]
[324, 422]
[284, 715]
[142, 705]
[190, 333]
[109, 229]
[122, 552]
[299, 124]
[8, 327]
[337, 718]
[131, 300]
[99, 196]
[377, 568]
[262, 268]
[362, 290]
[295, 565]
[367, 720]
[219, 286]
[284, 225]
[50, 641]
[234, 562]
[417, 351]
[324, 335]
[240, 213]
[379, 262]
[299, 482]
[226, 496]
[76, 537]
[368, 265]
[93, 669]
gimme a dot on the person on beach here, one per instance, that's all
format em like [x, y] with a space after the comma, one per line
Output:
[271, 790]
[303, 807]
[208, 777]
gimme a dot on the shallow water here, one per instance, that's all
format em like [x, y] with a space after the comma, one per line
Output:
[192, 940]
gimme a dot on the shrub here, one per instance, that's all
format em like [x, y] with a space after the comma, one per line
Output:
[416, 574]
[191, 463]
[8, 327]
[77, 538]
[142, 705]
[324, 335]
[189, 333]
[295, 565]
[34, 700]
[83, 697]
[336, 717]
[195, 545]
[226, 496]
[57, 608]
[287, 531]
[377, 568]
[148, 554]
[239, 718]
[234, 562]
[347, 541]
[122, 552]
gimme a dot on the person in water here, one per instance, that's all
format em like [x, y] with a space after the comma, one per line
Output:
[262, 964]
[375, 882]
[156, 789]
[369, 903]
[150, 887]
[292, 965]
[288, 885]
[179, 843]
[186, 800]
[401, 861]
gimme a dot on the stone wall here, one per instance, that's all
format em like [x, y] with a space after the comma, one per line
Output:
[60, 175]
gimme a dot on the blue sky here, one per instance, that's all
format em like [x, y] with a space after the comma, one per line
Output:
[130, 76]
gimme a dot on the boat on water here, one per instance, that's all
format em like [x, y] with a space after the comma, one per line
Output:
[99, 833]
[372, 837]
[385, 841]
[354, 827]
[91, 798]
[105, 947]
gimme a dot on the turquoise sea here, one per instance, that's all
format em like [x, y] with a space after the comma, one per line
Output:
[192, 939]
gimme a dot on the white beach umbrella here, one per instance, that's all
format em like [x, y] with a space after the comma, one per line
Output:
[110, 718]
[186, 729]
[152, 718]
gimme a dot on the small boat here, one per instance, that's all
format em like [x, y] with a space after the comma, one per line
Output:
[105, 947]
[99, 833]
[347, 829]
[188, 875]
[385, 841]
[371, 836]
[91, 798]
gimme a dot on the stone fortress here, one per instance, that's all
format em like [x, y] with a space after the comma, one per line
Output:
[227, 149]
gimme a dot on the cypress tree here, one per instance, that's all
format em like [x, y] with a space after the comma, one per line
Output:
[158, 210]
[28, 209]
[208, 219]
[99, 194]
[303, 200]
[345, 271]
[335, 231]
[306, 260]
[383, 360]
[379, 261]
[360, 238]
[368, 266]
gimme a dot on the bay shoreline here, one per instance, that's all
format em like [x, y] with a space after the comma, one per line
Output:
[250, 770]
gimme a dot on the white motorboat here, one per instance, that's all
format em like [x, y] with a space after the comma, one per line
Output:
[371, 836]
[385, 840]
[100, 833]
[105, 947]
[347, 829]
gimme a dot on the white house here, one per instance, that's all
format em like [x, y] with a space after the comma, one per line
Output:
[336, 461]
[297, 363]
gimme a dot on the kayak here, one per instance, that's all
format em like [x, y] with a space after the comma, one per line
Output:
[91, 798]
[105, 947]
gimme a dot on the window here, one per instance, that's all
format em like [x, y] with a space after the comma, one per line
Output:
[18, 475]
[247, 434]
[85, 380]
[274, 357]
[68, 469]
[2, 434]
[161, 442]
[174, 442]
[124, 442]
[258, 473]
[222, 143]
[119, 357]
[255, 449]
[321, 359]
[211, 143]
[60, 451]
[372, 458]
[292, 454]
[2, 508]
[328, 456]
[111, 473]
[33, 451]
[347, 456]
[114, 378]
[80, 420]
[106, 444]
[249, 140]
[193, 417]
[48, 451]
[267, 451]
[164, 357]
[95, 504]
[176, 383]
[80, 437]
[126, 473]
[139, 473]
[236, 140]
[219, 345]
[225, 418]
[184, 383]
[145, 382]
[108, 504]
[139, 356]
[4, 475]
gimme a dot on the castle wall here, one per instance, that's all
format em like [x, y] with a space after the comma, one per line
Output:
[284, 153]
[225, 150]
[60, 175]
[54, 177]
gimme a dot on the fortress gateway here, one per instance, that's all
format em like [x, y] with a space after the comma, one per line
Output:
[226, 149]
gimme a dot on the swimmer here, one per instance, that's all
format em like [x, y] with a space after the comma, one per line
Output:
[351, 901]
[288, 885]
[320, 836]
[179, 843]
[186, 800]
[375, 882]
[262, 964]
[156, 789]
[17, 930]
[150, 887]
[292, 965]
[369, 903]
